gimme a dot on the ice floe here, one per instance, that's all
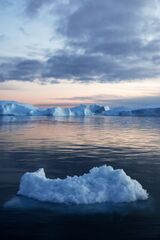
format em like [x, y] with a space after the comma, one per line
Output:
[101, 184]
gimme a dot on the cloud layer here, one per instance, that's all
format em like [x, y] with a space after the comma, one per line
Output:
[104, 41]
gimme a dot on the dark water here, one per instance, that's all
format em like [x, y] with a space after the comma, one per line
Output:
[73, 146]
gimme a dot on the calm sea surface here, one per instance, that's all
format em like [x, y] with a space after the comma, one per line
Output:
[71, 146]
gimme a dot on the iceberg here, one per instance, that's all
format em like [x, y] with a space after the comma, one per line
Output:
[61, 112]
[13, 108]
[118, 111]
[148, 112]
[123, 111]
[100, 185]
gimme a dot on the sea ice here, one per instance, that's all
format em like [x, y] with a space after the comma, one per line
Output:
[101, 184]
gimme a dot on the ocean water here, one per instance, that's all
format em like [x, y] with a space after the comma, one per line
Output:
[72, 146]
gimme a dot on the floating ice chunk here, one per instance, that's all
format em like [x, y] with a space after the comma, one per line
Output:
[101, 184]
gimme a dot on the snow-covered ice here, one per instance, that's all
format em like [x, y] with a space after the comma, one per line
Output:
[101, 184]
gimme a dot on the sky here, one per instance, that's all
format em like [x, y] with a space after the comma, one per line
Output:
[70, 52]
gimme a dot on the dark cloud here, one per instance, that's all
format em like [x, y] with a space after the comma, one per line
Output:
[75, 67]
[83, 67]
[20, 69]
[106, 40]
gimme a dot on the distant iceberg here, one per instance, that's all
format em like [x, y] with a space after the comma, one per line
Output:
[148, 112]
[13, 108]
[124, 111]
[117, 111]
[101, 184]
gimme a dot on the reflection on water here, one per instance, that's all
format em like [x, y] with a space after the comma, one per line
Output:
[23, 203]
[97, 131]
[69, 146]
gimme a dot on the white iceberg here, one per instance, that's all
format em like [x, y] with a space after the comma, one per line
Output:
[101, 184]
